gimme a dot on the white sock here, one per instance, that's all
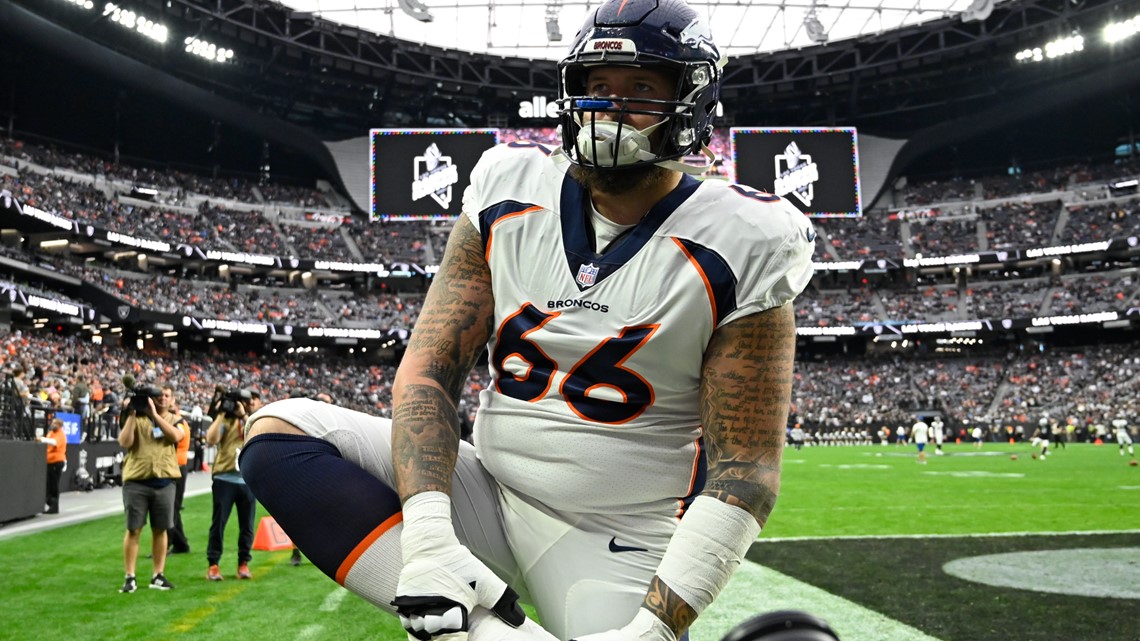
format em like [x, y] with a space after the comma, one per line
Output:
[376, 571]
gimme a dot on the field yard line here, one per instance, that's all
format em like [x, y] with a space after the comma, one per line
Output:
[755, 589]
[309, 632]
[333, 600]
[191, 619]
[939, 536]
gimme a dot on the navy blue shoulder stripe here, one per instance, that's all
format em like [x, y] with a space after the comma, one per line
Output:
[701, 476]
[488, 216]
[719, 276]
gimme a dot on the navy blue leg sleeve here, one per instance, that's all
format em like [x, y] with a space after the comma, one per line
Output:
[326, 504]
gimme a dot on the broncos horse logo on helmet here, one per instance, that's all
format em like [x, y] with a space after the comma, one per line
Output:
[667, 35]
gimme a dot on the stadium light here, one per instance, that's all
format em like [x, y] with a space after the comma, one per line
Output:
[82, 4]
[208, 50]
[416, 9]
[131, 20]
[978, 11]
[815, 29]
[1054, 49]
[1118, 31]
[553, 33]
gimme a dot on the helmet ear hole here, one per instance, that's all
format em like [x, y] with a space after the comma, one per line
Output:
[700, 77]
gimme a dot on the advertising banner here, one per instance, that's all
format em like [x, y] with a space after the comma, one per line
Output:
[816, 169]
[419, 174]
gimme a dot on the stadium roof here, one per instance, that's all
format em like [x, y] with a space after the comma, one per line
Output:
[529, 28]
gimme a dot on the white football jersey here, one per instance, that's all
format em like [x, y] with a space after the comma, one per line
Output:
[595, 360]
[919, 432]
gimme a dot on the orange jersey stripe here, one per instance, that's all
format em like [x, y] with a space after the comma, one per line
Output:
[704, 278]
[491, 231]
[350, 560]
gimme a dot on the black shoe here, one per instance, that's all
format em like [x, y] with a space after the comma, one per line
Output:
[159, 582]
[129, 585]
[296, 557]
[174, 550]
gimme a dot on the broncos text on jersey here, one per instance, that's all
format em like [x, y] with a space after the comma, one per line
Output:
[595, 359]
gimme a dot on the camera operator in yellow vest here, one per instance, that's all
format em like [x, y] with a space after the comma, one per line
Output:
[229, 409]
[150, 435]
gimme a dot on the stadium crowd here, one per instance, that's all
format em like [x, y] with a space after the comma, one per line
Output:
[837, 394]
[1088, 386]
[957, 228]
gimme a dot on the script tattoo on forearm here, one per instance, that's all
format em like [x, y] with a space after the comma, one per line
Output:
[670, 608]
[745, 396]
[457, 316]
[450, 333]
[424, 451]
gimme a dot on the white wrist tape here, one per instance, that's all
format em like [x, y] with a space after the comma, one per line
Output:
[647, 627]
[705, 550]
[427, 524]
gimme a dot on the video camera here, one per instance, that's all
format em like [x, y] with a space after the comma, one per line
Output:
[140, 395]
[227, 400]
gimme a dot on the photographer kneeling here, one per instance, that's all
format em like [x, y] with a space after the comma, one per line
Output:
[229, 409]
[150, 435]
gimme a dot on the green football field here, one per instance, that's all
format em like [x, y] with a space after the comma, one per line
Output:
[973, 546]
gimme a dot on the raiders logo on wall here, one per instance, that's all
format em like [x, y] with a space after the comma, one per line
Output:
[440, 162]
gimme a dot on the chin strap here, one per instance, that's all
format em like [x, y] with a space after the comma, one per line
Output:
[695, 170]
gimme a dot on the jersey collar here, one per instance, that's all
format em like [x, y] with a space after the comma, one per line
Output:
[588, 267]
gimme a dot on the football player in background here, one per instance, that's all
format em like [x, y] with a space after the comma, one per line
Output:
[1059, 433]
[1041, 438]
[937, 428]
[920, 434]
[1123, 438]
[641, 339]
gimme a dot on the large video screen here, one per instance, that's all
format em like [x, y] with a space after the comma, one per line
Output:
[816, 169]
[419, 174]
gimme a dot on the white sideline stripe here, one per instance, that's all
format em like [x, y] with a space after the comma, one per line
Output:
[1107, 502]
[755, 589]
[80, 507]
[333, 600]
[975, 535]
[309, 632]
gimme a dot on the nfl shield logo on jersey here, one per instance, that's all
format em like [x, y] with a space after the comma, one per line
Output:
[587, 274]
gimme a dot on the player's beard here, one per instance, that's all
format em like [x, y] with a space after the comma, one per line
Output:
[618, 181]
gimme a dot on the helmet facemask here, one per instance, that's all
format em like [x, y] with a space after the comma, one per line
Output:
[614, 144]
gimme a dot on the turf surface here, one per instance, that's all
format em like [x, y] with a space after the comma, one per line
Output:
[823, 546]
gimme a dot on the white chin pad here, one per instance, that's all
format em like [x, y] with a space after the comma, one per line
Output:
[599, 144]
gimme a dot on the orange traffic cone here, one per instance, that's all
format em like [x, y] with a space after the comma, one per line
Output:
[270, 536]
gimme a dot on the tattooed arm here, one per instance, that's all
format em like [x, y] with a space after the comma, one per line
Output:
[746, 387]
[452, 329]
[442, 584]
[746, 392]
